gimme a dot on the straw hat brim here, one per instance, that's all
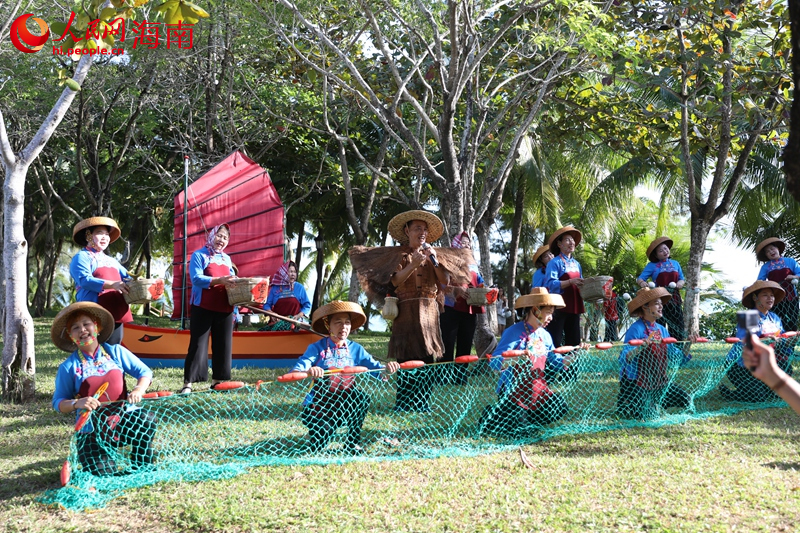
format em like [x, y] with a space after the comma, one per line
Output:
[539, 300]
[651, 250]
[539, 253]
[398, 223]
[79, 235]
[357, 316]
[761, 255]
[646, 296]
[552, 242]
[748, 297]
[58, 330]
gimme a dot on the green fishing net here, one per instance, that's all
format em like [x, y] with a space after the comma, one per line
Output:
[447, 409]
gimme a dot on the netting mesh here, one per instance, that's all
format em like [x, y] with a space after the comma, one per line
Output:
[218, 434]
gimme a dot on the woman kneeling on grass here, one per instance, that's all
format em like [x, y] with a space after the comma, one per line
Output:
[83, 328]
[526, 402]
[644, 374]
[335, 400]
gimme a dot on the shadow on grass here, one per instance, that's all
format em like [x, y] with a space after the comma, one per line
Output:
[31, 479]
[790, 467]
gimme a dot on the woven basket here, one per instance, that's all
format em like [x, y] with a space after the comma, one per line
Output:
[596, 288]
[479, 296]
[141, 291]
[248, 291]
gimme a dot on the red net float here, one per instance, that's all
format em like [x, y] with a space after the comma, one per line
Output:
[150, 395]
[354, 369]
[408, 365]
[603, 345]
[701, 339]
[292, 376]
[258, 384]
[636, 342]
[514, 353]
[66, 473]
[228, 385]
[463, 359]
[564, 349]
[669, 340]
[788, 334]
[732, 340]
[164, 393]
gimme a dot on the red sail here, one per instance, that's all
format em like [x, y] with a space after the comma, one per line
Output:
[236, 191]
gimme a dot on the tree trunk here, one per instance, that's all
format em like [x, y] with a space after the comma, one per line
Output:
[19, 363]
[19, 357]
[699, 235]
[516, 230]
[791, 154]
[487, 322]
[40, 298]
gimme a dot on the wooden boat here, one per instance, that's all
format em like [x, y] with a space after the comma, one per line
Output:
[240, 193]
[165, 347]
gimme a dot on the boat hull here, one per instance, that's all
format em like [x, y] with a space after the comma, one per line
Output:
[165, 347]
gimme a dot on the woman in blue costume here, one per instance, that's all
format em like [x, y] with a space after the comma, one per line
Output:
[99, 277]
[525, 401]
[83, 329]
[211, 272]
[564, 276]
[335, 400]
[540, 260]
[761, 296]
[667, 273]
[286, 298]
[645, 374]
[782, 270]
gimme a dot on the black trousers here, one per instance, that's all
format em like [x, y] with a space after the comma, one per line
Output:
[787, 311]
[673, 320]
[332, 410]
[748, 387]
[565, 328]
[507, 419]
[414, 388]
[635, 402]
[116, 335]
[220, 327]
[458, 330]
[113, 428]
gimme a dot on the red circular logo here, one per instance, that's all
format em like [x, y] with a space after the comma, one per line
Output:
[20, 34]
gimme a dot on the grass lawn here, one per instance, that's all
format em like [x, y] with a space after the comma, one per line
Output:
[737, 473]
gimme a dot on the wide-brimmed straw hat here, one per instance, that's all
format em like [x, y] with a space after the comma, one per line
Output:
[761, 255]
[551, 243]
[647, 295]
[539, 297]
[60, 335]
[357, 316]
[79, 233]
[651, 250]
[748, 297]
[539, 253]
[396, 225]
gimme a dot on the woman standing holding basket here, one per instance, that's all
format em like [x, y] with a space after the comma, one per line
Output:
[212, 273]
[564, 276]
[99, 277]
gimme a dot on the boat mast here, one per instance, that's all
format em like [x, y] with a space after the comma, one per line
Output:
[185, 229]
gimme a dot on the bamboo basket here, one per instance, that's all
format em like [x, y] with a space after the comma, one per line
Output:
[480, 296]
[141, 291]
[248, 291]
[390, 310]
[596, 288]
